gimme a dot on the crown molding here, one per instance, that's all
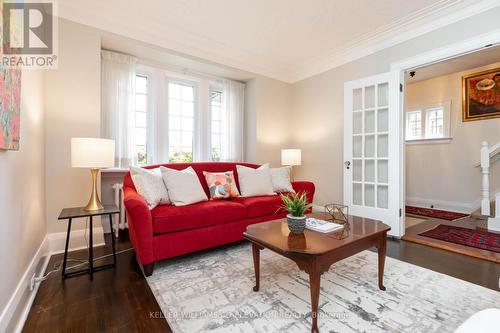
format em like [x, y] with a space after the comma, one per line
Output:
[196, 47]
[419, 23]
[186, 44]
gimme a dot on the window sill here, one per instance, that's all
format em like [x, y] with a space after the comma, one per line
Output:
[114, 170]
[429, 141]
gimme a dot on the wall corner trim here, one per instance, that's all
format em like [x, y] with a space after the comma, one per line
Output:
[16, 311]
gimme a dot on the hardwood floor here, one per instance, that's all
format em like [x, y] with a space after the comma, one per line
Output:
[412, 235]
[119, 300]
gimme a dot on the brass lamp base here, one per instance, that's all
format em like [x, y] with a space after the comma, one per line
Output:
[94, 202]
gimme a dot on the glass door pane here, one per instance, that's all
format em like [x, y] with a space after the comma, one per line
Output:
[370, 146]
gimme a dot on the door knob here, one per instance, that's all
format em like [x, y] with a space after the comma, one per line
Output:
[347, 164]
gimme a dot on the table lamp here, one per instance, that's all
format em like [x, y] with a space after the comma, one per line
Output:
[93, 154]
[291, 157]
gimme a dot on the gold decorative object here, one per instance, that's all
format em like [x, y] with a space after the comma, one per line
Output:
[337, 213]
[94, 201]
[93, 154]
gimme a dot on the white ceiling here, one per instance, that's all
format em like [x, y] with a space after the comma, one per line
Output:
[283, 39]
[469, 61]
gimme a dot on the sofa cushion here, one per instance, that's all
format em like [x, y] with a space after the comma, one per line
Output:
[261, 205]
[221, 185]
[150, 186]
[168, 218]
[184, 187]
[255, 182]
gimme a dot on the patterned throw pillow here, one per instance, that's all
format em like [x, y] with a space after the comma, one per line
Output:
[221, 185]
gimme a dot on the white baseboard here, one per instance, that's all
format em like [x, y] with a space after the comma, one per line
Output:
[78, 240]
[460, 207]
[16, 311]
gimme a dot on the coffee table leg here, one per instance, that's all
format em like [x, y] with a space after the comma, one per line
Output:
[256, 265]
[314, 281]
[382, 249]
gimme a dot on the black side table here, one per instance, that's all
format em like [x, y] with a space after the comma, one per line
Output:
[79, 212]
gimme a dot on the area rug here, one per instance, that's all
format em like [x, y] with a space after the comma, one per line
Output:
[211, 291]
[435, 213]
[469, 237]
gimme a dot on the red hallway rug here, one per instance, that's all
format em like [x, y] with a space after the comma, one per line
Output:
[435, 213]
[463, 236]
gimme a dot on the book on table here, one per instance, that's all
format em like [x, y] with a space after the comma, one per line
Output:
[322, 225]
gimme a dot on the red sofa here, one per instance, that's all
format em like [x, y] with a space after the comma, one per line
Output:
[168, 231]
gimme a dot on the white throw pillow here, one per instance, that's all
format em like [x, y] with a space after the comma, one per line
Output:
[255, 182]
[281, 179]
[149, 184]
[184, 187]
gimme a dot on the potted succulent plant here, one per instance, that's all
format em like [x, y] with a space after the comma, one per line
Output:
[296, 205]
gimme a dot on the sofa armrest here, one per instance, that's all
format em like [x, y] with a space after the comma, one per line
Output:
[140, 225]
[307, 187]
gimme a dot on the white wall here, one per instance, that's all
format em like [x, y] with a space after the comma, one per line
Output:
[267, 120]
[22, 193]
[317, 102]
[73, 104]
[445, 174]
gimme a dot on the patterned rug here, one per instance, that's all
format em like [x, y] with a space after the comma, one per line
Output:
[211, 291]
[474, 238]
[435, 213]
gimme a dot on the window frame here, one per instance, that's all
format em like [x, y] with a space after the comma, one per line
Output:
[428, 130]
[408, 113]
[140, 71]
[196, 114]
[214, 87]
[425, 108]
[158, 114]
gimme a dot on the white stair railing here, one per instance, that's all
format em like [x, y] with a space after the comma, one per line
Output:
[487, 154]
[485, 171]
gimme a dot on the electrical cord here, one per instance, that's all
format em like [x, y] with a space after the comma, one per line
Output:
[58, 265]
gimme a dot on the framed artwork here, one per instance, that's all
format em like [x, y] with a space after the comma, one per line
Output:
[481, 95]
[10, 108]
[10, 104]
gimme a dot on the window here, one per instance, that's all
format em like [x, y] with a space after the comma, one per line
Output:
[434, 123]
[181, 108]
[216, 124]
[182, 118]
[428, 122]
[414, 125]
[141, 116]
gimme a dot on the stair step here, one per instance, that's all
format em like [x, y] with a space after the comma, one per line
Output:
[477, 213]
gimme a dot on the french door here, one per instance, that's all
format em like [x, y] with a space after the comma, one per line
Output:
[372, 149]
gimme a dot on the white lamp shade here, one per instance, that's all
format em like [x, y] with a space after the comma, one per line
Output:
[291, 157]
[92, 153]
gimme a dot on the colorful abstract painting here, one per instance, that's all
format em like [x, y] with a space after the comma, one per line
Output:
[10, 104]
[10, 108]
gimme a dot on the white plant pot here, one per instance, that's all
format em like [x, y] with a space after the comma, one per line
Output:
[296, 224]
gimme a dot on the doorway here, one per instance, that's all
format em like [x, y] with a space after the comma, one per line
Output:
[442, 149]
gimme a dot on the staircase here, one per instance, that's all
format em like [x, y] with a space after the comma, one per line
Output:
[491, 210]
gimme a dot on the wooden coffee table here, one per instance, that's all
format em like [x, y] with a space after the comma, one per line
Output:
[315, 252]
